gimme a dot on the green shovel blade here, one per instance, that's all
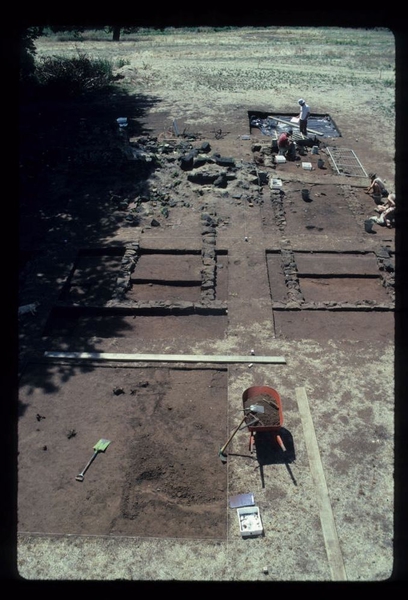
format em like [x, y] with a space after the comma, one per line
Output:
[101, 445]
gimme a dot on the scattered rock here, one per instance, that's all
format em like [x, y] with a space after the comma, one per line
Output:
[223, 161]
[205, 147]
[118, 390]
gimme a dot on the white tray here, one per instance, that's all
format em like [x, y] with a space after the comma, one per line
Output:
[250, 523]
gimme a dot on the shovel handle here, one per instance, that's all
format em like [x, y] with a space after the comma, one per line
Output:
[80, 477]
[232, 435]
[255, 420]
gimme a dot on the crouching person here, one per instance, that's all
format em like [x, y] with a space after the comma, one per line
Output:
[377, 188]
[286, 146]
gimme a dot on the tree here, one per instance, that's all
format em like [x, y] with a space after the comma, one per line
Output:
[118, 29]
[28, 36]
[116, 33]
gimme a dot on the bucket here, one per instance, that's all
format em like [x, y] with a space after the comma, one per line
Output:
[368, 225]
[320, 163]
[306, 196]
[315, 149]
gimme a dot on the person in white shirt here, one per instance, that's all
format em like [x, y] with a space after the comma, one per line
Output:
[304, 114]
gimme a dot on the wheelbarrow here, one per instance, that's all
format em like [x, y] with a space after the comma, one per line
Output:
[272, 418]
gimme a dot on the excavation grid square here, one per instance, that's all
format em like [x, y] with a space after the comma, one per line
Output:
[159, 267]
[326, 277]
[343, 289]
[160, 475]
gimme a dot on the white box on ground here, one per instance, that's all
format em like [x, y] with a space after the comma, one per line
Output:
[280, 159]
[250, 523]
[307, 166]
[275, 184]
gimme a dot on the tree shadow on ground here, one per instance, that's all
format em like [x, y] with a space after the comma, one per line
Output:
[74, 171]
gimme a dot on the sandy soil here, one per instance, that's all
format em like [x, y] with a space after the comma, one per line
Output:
[328, 310]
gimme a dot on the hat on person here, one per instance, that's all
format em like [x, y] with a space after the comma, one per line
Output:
[290, 131]
[301, 101]
[372, 175]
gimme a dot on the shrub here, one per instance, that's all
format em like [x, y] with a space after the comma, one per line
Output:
[121, 62]
[73, 76]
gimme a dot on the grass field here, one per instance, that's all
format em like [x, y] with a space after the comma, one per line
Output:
[335, 68]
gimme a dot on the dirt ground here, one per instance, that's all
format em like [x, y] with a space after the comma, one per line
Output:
[284, 277]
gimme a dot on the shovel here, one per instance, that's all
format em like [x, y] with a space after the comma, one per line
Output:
[99, 447]
[255, 408]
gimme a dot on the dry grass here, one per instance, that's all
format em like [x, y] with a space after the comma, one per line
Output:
[333, 67]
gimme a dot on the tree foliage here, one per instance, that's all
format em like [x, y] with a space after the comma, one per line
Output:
[28, 36]
[116, 30]
[76, 30]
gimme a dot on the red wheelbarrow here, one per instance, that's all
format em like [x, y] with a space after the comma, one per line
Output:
[271, 420]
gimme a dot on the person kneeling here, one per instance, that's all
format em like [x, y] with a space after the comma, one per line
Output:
[286, 147]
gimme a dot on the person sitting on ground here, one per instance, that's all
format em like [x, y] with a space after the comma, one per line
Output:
[286, 147]
[386, 211]
[376, 188]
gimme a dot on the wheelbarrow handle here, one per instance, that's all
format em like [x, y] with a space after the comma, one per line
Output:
[280, 442]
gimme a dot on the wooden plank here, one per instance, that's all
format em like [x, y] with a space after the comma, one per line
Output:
[166, 357]
[327, 521]
[293, 124]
